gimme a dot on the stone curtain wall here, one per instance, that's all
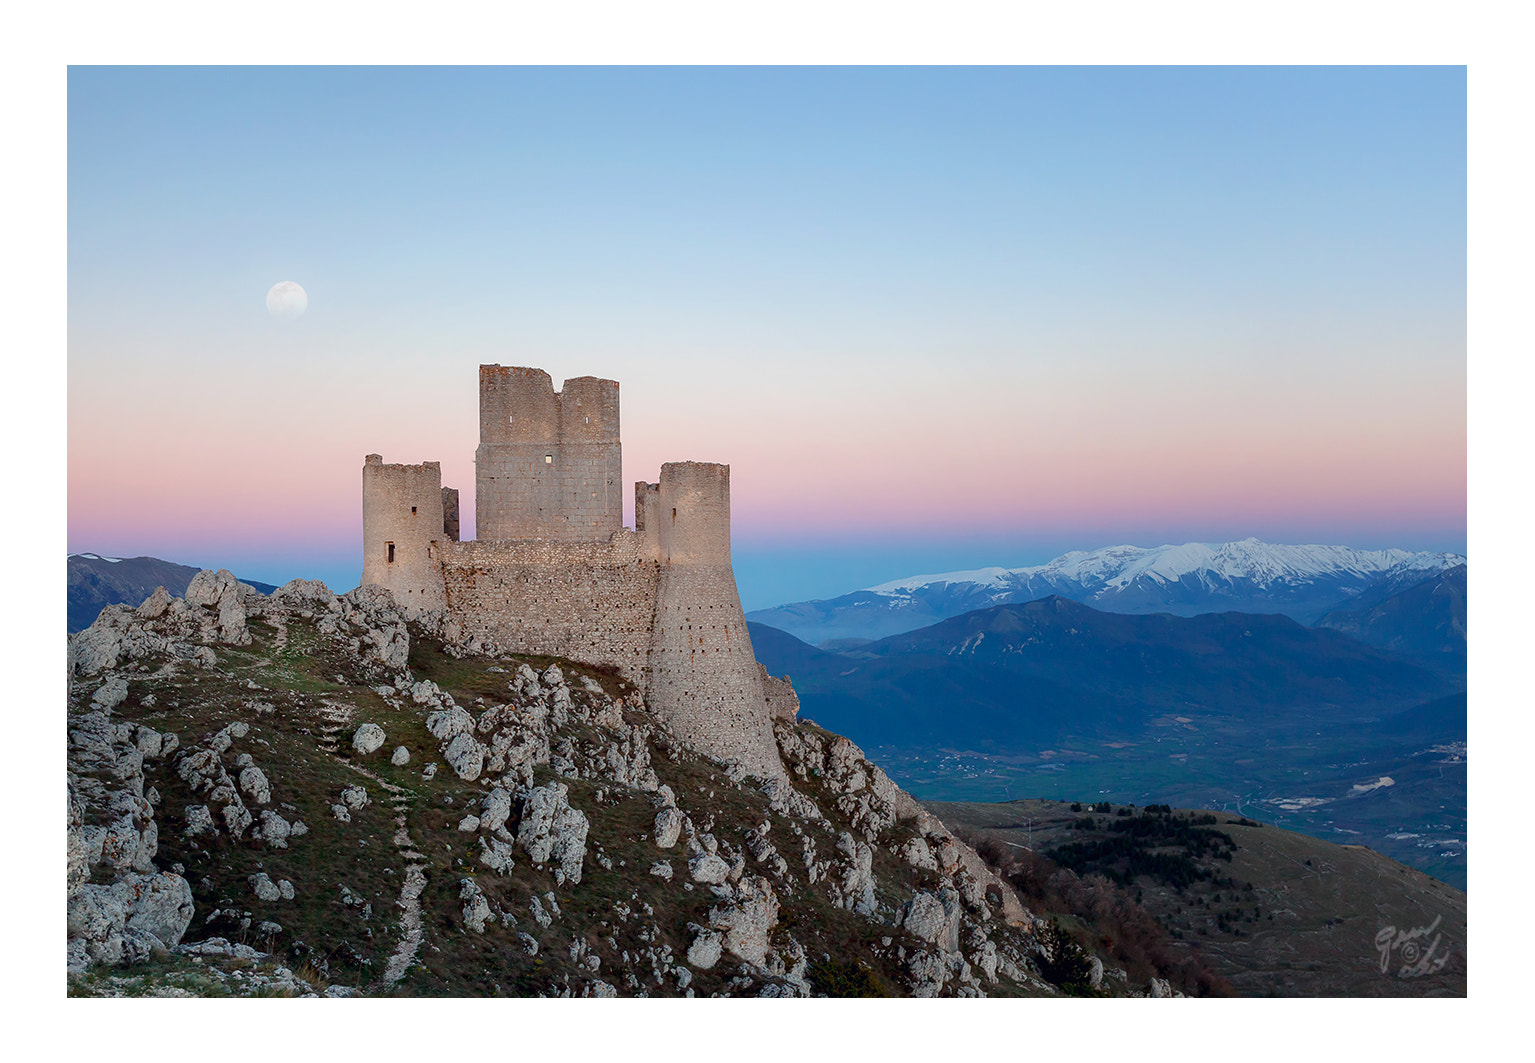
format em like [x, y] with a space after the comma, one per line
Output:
[402, 504]
[549, 463]
[593, 602]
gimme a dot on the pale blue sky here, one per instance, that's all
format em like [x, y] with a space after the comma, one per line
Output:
[877, 263]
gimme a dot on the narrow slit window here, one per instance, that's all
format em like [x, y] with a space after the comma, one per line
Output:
[390, 547]
[412, 511]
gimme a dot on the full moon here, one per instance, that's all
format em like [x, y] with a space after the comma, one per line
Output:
[286, 299]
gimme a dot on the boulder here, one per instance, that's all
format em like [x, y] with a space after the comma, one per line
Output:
[749, 920]
[368, 739]
[222, 596]
[857, 875]
[149, 742]
[311, 592]
[708, 868]
[123, 922]
[401, 757]
[934, 918]
[110, 694]
[918, 853]
[476, 909]
[199, 821]
[668, 826]
[264, 888]
[155, 605]
[253, 782]
[465, 756]
[705, 950]
[450, 723]
[497, 808]
[236, 818]
[496, 855]
[274, 830]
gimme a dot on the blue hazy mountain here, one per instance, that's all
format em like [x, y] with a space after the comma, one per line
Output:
[1302, 582]
[1015, 676]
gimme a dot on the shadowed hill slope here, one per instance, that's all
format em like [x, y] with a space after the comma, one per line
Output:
[1426, 620]
[1273, 912]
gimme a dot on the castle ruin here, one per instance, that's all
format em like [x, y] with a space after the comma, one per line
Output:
[554, 570]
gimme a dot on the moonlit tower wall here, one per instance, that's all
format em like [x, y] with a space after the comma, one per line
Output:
[402, 529]
[549, 464]
[702, 677]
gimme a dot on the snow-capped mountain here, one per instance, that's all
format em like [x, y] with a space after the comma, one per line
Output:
[1250, 576]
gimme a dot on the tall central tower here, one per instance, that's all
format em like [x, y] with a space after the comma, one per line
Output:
[549, 463]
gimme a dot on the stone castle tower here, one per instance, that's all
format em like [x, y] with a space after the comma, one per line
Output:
[549, 463]
[554, 571]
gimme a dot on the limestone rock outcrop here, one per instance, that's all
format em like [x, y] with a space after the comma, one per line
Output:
[553, 832]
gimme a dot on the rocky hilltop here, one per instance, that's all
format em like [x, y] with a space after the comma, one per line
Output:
[95, 582]
[306, 793]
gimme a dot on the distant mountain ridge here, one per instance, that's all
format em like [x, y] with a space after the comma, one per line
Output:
[1316, 728]
[1020, 674]
[1250, 576]
[1420, 618]
[96, 582]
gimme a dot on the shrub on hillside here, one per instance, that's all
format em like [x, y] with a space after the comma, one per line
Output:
[836, 978]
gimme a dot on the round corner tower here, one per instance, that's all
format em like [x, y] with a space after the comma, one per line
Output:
[702, 676]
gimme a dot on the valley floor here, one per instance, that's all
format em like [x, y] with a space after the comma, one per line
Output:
[1407, 801]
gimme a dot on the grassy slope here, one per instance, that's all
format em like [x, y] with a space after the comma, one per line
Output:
[304, 676]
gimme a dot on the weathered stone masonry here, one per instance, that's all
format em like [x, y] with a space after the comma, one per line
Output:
[555, 572]
[403, 530]
[549, 464]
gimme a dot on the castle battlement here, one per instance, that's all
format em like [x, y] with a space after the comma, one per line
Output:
[554, 571]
